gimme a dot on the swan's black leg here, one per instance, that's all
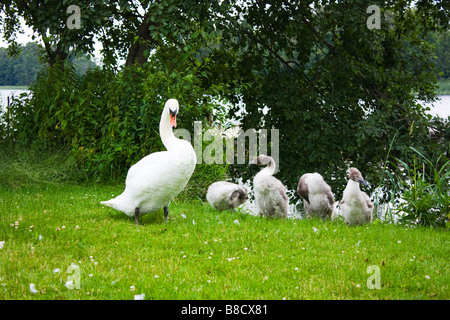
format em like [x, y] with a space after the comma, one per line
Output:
[136, 216]
[166, 213]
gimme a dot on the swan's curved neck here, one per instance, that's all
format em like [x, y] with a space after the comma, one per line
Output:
[269, 169]
[165, 131]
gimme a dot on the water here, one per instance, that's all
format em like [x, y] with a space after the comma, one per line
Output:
[440, 108]
[5, 93]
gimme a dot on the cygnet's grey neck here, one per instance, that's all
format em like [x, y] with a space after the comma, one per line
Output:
[269, 169]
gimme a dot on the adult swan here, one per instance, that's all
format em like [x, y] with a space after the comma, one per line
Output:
[156, 179]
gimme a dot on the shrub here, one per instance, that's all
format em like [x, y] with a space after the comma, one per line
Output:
[109, 121]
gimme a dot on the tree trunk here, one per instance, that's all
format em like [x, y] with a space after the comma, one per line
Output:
[136, 51]
[56, 56]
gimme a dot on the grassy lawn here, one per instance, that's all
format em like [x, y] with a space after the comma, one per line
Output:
[203, 254]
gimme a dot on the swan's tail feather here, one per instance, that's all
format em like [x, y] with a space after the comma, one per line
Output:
[107, 203]
[121, 204]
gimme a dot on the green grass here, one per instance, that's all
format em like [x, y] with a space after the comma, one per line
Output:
[213, 258]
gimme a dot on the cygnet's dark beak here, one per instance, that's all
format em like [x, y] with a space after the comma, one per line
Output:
[362, 181]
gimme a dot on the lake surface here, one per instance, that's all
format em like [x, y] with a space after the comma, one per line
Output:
[5, 93]
[440, 108]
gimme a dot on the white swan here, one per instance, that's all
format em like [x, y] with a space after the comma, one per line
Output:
[159, 177]
[316, 194]
[356, 207]
[223, 195]
[270, 193]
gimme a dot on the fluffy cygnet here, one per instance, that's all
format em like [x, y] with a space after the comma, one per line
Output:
[316, 194]
[270, 193]
[223, 195]
[356, 207]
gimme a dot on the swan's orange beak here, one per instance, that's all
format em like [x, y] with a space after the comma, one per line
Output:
[173, 120]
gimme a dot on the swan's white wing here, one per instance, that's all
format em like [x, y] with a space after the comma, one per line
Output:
[157, 178]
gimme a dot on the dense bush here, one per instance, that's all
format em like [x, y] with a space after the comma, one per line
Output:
[108, 121]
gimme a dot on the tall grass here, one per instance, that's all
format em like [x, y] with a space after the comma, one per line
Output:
[42, 167]
[424, 190]
[19, 167]
[382, 193]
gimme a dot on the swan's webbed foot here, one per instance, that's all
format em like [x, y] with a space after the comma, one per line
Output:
[136, 216]
[166, 213]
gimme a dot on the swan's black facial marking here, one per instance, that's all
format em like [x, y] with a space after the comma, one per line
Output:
[173, 112]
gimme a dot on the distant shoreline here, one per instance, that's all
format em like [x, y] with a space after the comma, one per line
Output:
[14, 87]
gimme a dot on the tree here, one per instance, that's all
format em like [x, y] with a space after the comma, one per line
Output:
[28, 65]
[441, 42]
[128, 30]
[23, 69]
[338, 91]
[7, 64]
[146, 26]
[20, 70]
[342, 90]
[49, 20]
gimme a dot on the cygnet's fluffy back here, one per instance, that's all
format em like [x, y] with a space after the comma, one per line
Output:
[223, 195]
[317, 195]
[270, 193]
